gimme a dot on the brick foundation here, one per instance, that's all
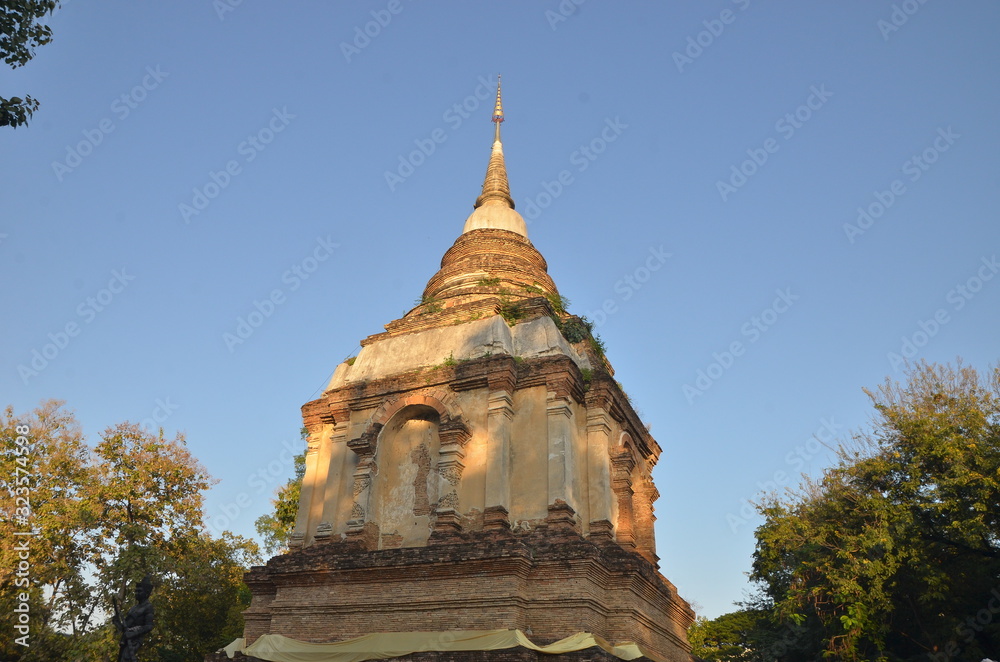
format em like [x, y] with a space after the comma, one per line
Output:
[549, 583]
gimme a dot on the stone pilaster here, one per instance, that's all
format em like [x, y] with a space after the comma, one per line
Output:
[599, 494]
[359, 529]
[560, 445]
[499, 416]
[310, 504]
[330, 466]
[454, 435]
[645, 494]
[622, 464]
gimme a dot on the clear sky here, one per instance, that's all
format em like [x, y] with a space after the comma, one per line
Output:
[692, 171]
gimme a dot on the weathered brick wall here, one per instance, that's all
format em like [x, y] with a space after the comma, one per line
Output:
[550, 583]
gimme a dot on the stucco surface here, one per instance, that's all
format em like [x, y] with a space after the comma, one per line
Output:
[393, 355]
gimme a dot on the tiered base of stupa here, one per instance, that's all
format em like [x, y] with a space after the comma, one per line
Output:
[549, 583]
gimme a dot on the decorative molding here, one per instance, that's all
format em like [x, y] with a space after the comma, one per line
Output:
[559, 408]
[323, 531]
[365, 445]
[598, 420]
[500, 403]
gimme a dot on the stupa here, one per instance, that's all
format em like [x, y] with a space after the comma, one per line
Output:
[476, 470]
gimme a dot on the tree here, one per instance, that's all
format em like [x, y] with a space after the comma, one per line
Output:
[894, 554]
[150, 493]
[751, 634]
[20, 35]
[201, 597]
[54, 476]
[103, 518]
[152, 521]
[728, 638]
[275, 528]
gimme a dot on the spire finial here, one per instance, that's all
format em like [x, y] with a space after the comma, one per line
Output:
[498, 112]
[495, 186]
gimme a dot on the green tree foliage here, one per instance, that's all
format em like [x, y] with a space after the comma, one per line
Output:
[276, 527]
[20, 35]
[727, 638]
[201, 597]
[894, 554]
[751, 634]
[104, 517]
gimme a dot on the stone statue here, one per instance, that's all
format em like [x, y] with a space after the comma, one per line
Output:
[137, 622]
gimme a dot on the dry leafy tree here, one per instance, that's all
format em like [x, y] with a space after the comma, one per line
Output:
[55, 477]
[104, 517]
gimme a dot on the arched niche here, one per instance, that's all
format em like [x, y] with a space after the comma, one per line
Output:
[406, 489]
[408, 473]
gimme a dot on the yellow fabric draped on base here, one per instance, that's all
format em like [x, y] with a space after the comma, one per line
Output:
[382, 645]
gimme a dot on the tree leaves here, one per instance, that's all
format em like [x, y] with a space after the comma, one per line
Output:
[275, 528]
[20, 35]
[106, 516]
[894, 547]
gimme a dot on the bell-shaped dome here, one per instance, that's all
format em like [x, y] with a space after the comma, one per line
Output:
[498, 216]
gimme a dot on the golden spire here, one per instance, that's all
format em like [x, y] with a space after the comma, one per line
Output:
[498, 112]
[495, 186]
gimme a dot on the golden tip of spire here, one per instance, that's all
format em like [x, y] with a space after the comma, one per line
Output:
[495, 186]
[498, 109]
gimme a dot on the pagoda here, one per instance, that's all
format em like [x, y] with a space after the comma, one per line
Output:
[476, 469]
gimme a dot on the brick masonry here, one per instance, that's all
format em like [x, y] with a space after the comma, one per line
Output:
[549, 583]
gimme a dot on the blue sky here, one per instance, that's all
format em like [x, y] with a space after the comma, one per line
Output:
[733, 146]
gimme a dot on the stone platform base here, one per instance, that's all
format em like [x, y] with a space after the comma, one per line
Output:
[549, 583]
